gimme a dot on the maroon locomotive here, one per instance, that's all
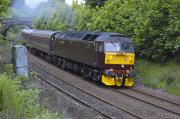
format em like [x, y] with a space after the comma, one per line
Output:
[102, 56]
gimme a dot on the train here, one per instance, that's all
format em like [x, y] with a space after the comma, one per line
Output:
[106, 57]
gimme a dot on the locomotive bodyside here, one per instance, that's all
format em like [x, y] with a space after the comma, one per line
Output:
[75, 49]
[106, 57]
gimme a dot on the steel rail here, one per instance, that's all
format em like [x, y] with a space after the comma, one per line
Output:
[129, 95]
[72, 96]
[145, 93]
[127, 111]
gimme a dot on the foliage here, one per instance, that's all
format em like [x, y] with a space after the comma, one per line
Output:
[83, 16]
[154, 25]
[164, 76]
[18, 99]
[57, 16]
[94, 3]
[4, 6]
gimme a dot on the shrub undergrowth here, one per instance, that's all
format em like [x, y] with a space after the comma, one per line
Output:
[18, 99]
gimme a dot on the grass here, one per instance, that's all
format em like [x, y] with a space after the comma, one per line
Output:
[18, 100]
[159, 76]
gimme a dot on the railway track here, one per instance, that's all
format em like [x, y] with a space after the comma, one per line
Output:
[45, 76]
[175, 102]
[150, 99]
[117, 100]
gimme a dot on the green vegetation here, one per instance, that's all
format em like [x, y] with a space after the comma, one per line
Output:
[58, 16]
[4, 7]
[164, 76]
[18, 99]
[94, 3]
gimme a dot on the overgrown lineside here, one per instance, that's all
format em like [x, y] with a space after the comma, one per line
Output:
[18, 100]
[159, 76]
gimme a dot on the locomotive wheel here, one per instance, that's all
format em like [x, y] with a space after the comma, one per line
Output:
[42, 55]
[82, 71]
[96, 77]
[63, 65]
[75, 68]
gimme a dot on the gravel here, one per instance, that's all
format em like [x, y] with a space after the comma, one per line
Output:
[63, 104]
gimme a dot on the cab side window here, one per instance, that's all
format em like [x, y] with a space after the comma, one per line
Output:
[99, 47]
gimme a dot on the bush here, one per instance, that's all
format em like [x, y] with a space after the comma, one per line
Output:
[18, 100]
[154, 25]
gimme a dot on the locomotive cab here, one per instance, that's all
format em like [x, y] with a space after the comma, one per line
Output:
[118, 61]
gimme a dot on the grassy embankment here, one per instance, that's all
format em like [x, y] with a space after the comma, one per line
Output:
[160, 76]
[18, 100]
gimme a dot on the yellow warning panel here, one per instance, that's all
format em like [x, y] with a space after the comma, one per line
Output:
[119, 58]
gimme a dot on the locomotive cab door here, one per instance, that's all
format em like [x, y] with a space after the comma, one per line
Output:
[99, 54]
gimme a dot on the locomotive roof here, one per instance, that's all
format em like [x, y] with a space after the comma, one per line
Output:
[94, 36]
[82, 36]
[114, 37]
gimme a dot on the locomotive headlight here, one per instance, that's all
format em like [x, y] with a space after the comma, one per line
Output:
[122, 66]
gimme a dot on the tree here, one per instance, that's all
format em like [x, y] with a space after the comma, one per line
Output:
[3, 10]
[154, 25]
[94, 3]
[4, 7]
[55, 15]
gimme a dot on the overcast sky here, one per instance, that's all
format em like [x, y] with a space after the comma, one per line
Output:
[34, 3]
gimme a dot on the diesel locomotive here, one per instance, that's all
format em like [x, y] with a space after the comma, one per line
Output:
[102, 56]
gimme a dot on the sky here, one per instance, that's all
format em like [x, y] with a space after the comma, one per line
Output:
[69, 2]
[34, 3]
